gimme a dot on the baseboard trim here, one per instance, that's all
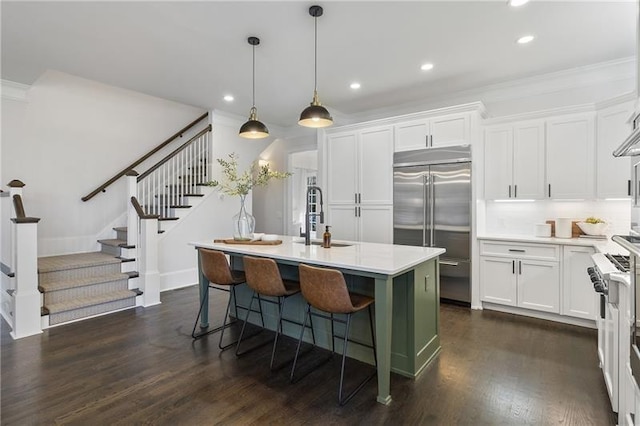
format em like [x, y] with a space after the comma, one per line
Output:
[540, 315]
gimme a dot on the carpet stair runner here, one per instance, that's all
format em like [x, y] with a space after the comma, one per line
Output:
[81, 285]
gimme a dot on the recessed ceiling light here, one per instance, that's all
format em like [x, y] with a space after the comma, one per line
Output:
[355, 85]
[525, 39]
[426, 67]
[228, 98]
[517, 3]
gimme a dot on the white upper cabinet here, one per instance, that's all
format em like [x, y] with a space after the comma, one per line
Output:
[376, 166]
[342, 172]
[613, 174]
[447, 130]
[570, 161]
[514, 161]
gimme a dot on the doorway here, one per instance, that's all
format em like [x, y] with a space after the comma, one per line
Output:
[304, 166]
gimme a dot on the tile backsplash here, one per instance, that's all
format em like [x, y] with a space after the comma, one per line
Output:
[519, 218]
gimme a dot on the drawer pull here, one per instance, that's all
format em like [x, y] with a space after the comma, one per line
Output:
[517, 250]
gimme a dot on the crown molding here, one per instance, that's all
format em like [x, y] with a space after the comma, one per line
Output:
[14, 91]
[543, 84]
[627, 97]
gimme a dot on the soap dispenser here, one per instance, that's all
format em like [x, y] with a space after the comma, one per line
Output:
[326, 238]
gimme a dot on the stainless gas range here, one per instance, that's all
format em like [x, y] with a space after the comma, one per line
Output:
[608, 272]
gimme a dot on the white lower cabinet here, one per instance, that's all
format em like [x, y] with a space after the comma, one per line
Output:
[542, 277]
[367, 223]
[578, 298]
[531, 284]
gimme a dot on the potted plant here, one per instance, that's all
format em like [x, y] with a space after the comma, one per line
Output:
[234, 183]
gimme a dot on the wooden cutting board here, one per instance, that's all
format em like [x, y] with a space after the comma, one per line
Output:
[575, 229]
[251, 243]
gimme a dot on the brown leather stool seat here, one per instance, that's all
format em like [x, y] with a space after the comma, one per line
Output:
[263, 277]
[326, 290]
[216, 270]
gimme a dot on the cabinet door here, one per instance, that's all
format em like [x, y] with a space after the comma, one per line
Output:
[342, 151]
[570, 157]
[613, 174]
[376, 166]
[528, 161]
[538, 285]
[451, 129]
[578, 297]
[498, 280]
[376, 224]
[411, 135]
[497, 162]
[343, 222]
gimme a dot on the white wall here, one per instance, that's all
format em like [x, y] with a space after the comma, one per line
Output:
[69, 137]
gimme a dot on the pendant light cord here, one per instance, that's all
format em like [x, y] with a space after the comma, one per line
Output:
[253, 95]
[315, 59]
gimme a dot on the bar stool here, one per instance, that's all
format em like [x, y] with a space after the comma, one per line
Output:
[217, 271]
[263, 277]
[326, 290]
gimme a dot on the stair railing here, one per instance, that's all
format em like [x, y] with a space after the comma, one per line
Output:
[164, 186]
[103, 187]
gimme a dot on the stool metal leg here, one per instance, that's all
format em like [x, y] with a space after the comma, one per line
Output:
[244, 326]
[205, 300]
[295, 359]
[344, 357]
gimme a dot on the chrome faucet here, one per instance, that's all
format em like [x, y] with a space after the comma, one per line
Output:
[307, 214]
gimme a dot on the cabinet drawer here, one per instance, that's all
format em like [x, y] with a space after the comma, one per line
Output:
[520, 250]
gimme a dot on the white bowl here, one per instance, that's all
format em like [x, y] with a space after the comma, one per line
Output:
[269, 237]
[257, 236]
[593, 228]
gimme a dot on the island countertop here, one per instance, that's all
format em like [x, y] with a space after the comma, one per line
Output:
[386, 259]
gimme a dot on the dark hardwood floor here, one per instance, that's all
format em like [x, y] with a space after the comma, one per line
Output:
[142, 367]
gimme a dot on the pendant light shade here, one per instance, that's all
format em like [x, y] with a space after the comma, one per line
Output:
[253, 128]
[315, 115]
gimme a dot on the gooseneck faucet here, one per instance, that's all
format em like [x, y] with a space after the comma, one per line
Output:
[307, 214]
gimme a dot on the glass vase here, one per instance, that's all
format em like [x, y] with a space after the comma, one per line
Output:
[243, 223]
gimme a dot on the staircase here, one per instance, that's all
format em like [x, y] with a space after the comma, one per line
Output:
[72, 287]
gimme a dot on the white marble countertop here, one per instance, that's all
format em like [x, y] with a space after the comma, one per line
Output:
[601, 246]
[387, 259]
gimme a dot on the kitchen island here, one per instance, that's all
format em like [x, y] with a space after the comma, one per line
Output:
[403, 279]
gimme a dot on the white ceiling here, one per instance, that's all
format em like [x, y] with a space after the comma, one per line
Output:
[196, 52]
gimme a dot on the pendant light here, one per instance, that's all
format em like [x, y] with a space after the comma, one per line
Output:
[315, 115]
[254, 129]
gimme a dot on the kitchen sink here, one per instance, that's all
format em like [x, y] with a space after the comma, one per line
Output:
[318, 243]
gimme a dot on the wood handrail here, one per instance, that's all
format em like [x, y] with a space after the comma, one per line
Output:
[140, 211]
[172, 154]
[103, 187]
[21, 217]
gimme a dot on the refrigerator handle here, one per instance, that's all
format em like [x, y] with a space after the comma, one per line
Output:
[425, 182]
[432, 186]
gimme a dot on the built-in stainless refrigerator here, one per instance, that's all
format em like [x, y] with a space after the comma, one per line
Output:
[432, 208]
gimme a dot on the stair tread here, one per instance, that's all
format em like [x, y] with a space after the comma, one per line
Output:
[74, 261]
[120, 229]
[114, 242]
[81, 282]
[82, 302]
[168, 218]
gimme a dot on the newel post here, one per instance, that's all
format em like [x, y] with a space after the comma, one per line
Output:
[26, 305]
[132, 215]
[148, 255]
